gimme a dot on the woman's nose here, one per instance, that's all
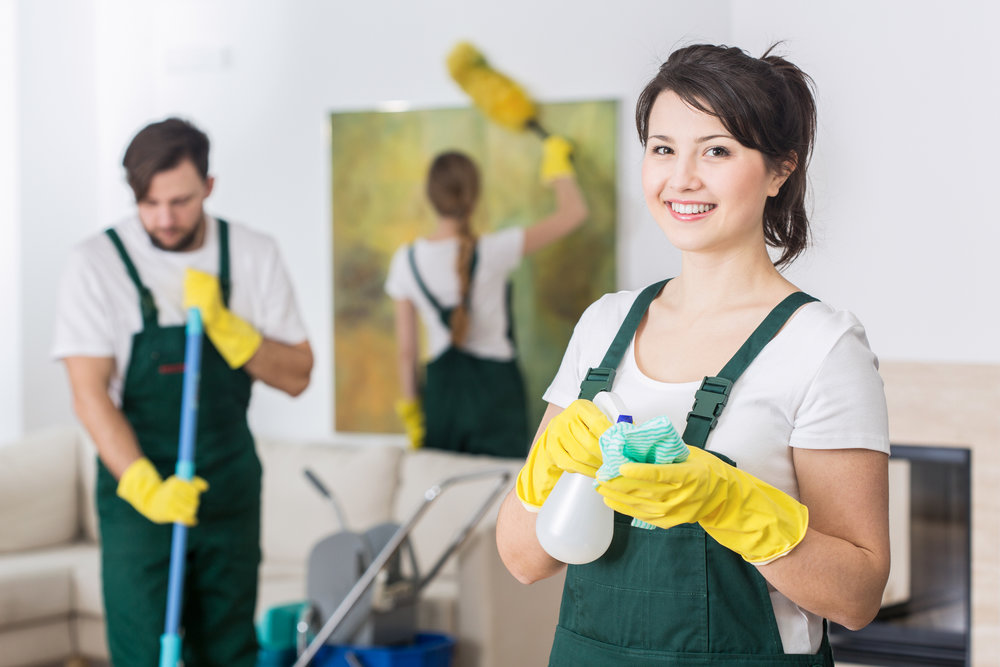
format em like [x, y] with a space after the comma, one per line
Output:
[684, 175]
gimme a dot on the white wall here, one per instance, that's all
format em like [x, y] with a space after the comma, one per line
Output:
[261, 77]
[58, 179]
[906, 167]
[10, 284]
[902, 114]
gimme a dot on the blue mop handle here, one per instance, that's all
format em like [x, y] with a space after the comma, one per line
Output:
[170, 641]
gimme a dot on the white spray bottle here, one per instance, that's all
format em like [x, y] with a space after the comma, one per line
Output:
[574, 525]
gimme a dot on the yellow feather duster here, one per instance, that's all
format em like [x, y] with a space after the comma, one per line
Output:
[502, 100]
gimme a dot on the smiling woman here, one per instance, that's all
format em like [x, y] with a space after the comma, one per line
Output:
[778, 517]
[765, 105]
[701, 173]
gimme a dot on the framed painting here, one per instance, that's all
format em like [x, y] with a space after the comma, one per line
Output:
[379, 166]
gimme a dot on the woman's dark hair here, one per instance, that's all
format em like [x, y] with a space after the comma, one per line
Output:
[453, 188]
[767, 104]
[160, 147]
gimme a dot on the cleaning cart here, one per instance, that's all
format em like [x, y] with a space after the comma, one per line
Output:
[363, 589]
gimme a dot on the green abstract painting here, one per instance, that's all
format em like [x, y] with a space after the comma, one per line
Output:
[379, 163]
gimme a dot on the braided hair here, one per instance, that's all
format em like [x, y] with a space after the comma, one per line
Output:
[453, 189]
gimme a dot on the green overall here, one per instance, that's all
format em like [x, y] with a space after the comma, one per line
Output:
[674, 597]
[223, 550]
[471, 404]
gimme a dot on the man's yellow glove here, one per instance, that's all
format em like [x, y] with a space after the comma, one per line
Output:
[555, 159]
[570, 443]
[412, 415]
[169, 501]
[741, 512]
[234, 338]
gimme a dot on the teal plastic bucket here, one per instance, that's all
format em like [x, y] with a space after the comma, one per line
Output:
[269, 657]
[276, 627]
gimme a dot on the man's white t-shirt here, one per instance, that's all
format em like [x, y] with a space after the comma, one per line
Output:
[498, 253]
[98, 311]
[814, 386]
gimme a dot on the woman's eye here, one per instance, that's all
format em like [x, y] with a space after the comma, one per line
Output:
[662, 150]
[717, 151]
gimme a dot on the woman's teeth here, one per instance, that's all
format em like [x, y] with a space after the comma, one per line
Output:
[688, 209]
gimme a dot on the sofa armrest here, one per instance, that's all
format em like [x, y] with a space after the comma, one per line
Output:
[500, 620]
[38, 490]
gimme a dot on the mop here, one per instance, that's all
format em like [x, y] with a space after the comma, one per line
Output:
[170, 641]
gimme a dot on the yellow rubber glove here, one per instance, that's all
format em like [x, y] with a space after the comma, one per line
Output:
[232, 336]
[555, 159]
[170, 501]
[570, 443]
[412, 414]
[741, 512]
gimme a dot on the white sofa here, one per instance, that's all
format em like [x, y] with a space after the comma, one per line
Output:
[50, 593]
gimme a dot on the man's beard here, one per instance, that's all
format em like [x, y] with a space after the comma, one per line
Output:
[184, 243]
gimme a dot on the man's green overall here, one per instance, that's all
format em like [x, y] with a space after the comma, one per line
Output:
[472, 404]
[674, 597]
[223, 550]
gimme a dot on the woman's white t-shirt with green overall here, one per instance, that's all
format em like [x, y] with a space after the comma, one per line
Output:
[814, 386]
[473, 394]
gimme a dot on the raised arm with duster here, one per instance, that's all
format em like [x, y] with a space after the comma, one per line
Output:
[506, 104]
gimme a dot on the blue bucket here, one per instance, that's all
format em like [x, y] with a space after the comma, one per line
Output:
[427, 650]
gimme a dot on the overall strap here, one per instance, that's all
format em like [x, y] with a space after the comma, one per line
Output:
[711, 397]
[146, 301]
[443, 313]
[602, 377]
[225, 284]
[509, 299]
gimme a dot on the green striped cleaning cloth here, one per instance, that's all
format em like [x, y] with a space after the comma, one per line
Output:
[655, 441]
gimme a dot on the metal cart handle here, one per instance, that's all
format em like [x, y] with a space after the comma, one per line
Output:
[430, 495]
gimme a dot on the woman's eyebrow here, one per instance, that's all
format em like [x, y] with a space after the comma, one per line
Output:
[699, 140]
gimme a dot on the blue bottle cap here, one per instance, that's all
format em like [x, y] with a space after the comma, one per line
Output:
[624, 418]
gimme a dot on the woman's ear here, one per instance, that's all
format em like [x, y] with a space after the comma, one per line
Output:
[782, 172]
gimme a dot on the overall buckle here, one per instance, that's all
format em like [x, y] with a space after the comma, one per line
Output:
[597, 379]
[710, 398]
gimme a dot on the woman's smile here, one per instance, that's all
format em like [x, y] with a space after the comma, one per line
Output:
[689, 211]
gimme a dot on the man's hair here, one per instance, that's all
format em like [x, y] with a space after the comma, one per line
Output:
[160, 147]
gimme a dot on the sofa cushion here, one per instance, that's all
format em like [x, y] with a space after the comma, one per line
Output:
[34, 594]
[436, 529]
[47, 643]
[279, 583]
[90, 637]
[43, 583]
[294, 514]
[87, 474]
[38, 490]
[88, 596]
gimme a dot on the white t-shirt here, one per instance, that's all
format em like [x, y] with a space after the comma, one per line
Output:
[98, 310]
[815, 386]
[499, 254]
